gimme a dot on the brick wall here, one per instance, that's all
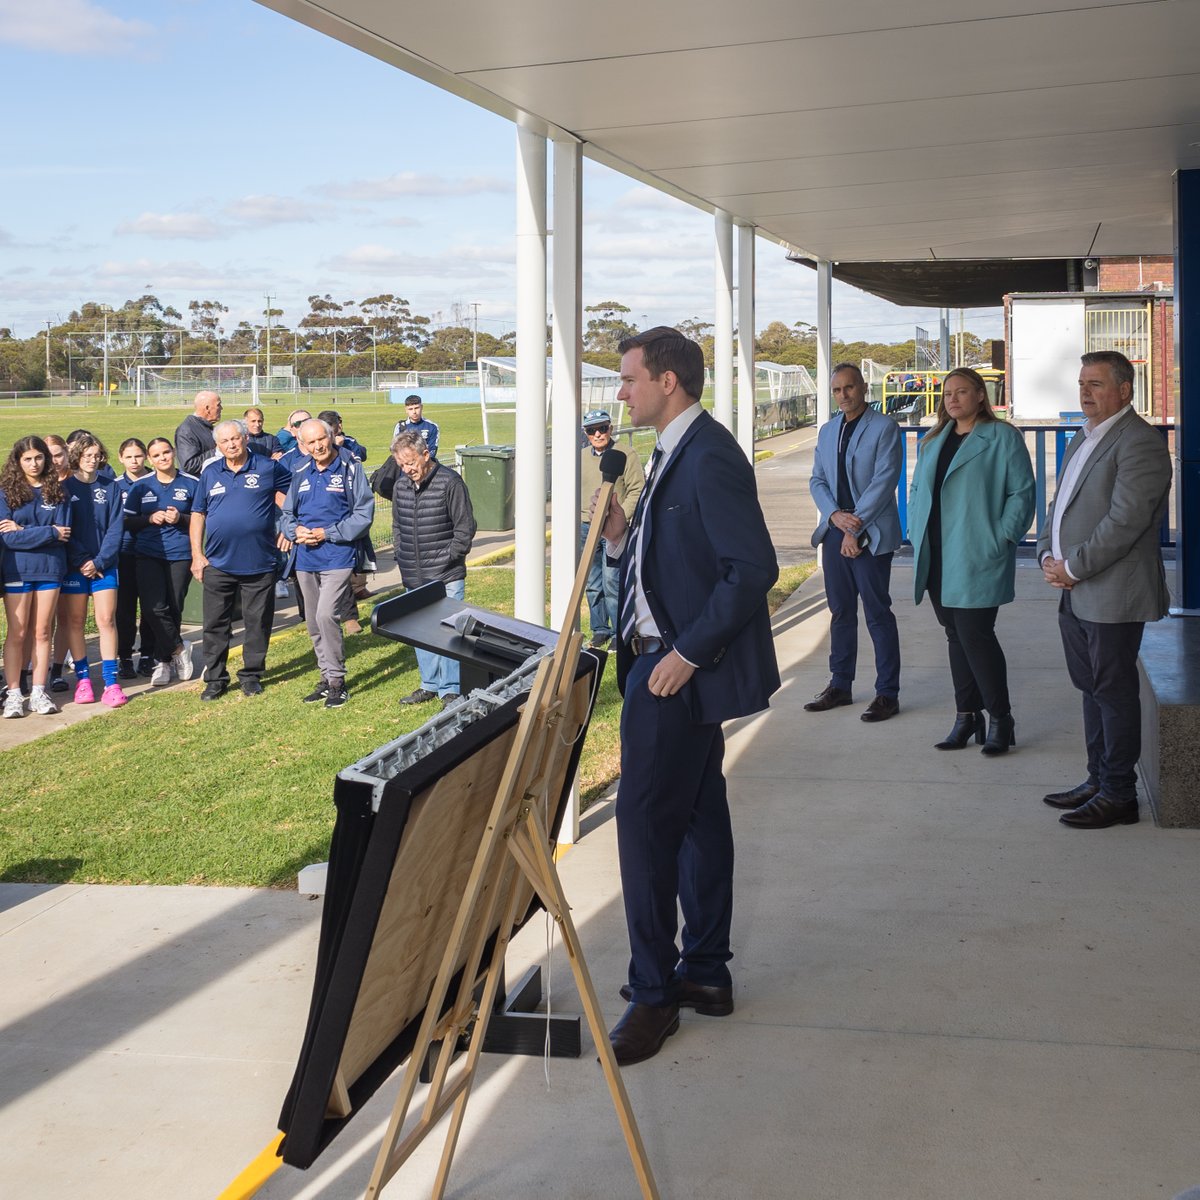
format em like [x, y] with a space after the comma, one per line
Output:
[1135, 274]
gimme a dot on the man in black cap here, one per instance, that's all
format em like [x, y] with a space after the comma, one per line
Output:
[604, 579]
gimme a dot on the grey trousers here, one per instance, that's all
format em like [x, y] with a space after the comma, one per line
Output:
[326, 594]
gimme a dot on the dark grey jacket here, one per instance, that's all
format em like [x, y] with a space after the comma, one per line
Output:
[432, 527]
[194, 444]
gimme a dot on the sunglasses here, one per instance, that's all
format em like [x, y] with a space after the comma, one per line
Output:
[597, 429]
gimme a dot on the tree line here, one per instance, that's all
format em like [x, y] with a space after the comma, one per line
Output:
[347, 338]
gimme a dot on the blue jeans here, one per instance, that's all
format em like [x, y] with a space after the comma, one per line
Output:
[438, 673]
[603, 580]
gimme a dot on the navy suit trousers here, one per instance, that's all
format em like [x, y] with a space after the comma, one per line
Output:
[1102, 663]
[846, 581]
[675, 839]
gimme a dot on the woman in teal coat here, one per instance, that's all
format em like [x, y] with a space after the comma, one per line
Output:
[970, 504]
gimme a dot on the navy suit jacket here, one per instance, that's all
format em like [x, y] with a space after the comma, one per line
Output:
[707, 566]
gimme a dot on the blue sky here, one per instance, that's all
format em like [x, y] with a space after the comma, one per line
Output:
[213, 149]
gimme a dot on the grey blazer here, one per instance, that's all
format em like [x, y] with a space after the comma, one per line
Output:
[1110, 526]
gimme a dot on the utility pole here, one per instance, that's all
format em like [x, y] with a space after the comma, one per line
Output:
[269, 299]
[106, 309]
[47, 354]
[475, 337]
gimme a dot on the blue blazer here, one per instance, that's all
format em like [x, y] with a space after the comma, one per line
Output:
[874, 459]
[707, 566]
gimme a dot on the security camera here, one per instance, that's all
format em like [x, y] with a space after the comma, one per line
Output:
[1090, 264]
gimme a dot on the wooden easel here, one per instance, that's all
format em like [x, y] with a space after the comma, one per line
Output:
[516, 833]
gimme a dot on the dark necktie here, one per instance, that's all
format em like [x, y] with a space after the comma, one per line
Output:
[628, 595]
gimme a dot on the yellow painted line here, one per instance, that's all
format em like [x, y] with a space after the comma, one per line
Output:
[256, 1174]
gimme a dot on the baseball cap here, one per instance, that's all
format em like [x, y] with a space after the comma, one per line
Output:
[597, 416]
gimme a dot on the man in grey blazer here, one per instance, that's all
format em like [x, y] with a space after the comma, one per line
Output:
[1099, 547]
[856, 468]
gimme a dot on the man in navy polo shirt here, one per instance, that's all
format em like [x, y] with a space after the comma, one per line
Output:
[235, 506]
[328, 507]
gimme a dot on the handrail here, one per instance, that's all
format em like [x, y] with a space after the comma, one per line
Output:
[1062, 435]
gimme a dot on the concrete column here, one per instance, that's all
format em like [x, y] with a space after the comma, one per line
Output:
[745, 321]
[530, 505]
[567, 291]
[1187, 389]
[824, 337]
[723, 323]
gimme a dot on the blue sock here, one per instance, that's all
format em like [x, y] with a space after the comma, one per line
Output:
[82, 668]
[109, 667]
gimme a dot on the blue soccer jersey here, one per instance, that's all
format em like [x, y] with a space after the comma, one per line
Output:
[150, 495]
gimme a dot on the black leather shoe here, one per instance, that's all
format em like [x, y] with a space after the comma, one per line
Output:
[214, 691]
[419, 696]
[640, 1033]
[1100, 812]
[707, 1001]
[967, 725]
[251, 687]
[831, 697]
[1074, 798]
[1002, 733]
[881, 708]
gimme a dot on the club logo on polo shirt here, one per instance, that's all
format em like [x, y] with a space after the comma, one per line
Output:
[99, 495]
[337, 483]
[178, 494]
[252, 480]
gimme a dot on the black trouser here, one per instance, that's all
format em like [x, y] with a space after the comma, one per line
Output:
[128, 626]
[1102, 662]
[258, 611]
[162, 587]
[977, 664]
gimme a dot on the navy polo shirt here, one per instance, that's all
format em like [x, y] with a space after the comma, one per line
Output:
[150, 495]
[239, 513]
[323, 499]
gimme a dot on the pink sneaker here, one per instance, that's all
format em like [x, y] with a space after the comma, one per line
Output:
[84, 693]
[113, 697]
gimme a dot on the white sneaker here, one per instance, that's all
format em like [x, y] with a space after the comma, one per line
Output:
[41, 704]
[181, 662]
[161, 675]
[14, 703]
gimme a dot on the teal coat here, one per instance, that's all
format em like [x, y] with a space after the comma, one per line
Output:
[987, 505]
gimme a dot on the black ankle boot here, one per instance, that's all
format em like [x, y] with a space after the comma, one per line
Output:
[966, 724]
[1001, 735]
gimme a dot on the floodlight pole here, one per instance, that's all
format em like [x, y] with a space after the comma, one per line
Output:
[47, 354]
[269, 299]
[106, 309]
[475, 335]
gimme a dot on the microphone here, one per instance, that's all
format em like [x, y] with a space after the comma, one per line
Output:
[612, 464]
[464, 624]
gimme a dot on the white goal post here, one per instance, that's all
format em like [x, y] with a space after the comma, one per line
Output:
[175, 384]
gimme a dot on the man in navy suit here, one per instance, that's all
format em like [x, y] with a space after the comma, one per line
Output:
[855, 472]
[694, 649]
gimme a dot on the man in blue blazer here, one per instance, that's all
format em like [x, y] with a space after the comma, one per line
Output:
[694, 649]
[856, 468]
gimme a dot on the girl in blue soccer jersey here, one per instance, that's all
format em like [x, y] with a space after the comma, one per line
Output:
[96, 526]
[129, 627]
[34, 530]
[158, 511]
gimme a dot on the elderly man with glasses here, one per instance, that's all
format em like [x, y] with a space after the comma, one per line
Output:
[604, 578]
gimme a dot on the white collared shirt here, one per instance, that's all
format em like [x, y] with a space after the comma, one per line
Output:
[1093, 436]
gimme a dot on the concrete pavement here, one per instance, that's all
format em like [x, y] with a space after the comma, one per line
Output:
[942, 992]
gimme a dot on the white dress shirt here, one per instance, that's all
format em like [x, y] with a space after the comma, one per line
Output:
[1092, 436]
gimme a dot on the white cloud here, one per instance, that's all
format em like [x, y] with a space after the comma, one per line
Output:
[415, 184]
[70, 27]
[275, 210]
[163, 277]
[470, 262]
[192, 226]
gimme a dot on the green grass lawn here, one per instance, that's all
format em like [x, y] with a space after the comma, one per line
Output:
[238, 791]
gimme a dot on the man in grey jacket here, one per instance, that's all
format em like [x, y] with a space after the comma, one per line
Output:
[432, 528]
[195, 443]
[1099, 547]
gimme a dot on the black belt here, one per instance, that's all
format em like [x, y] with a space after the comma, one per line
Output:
[646, 645]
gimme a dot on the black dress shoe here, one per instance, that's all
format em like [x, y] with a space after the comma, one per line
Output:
[1074, 798]
[419, 696]
[1100, 812]
[214, 691]
[880, 709]
[251, 687]
[1002, 733]
[640, 1033]
[707, 1001]
[967, 725]
[831, 697]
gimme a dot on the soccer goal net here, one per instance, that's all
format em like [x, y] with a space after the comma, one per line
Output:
[178, 384]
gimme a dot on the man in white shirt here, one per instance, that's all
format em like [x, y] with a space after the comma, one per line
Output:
[1100, 548]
